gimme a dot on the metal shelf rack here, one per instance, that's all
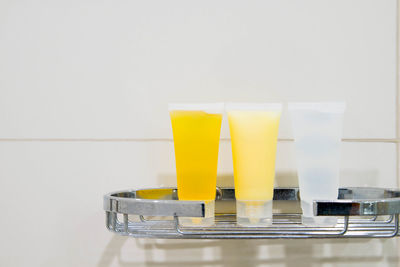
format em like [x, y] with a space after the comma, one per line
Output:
[363, 212]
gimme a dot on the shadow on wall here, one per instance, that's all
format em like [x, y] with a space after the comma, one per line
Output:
[226, 180]
[348, 178]
[251, 253]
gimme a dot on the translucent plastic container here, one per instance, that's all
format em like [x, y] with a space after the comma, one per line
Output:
[196, 130]
[317, 132]
[254, 133]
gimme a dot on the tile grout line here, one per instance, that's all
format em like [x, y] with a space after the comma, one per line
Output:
[397, 98]
[361, 140]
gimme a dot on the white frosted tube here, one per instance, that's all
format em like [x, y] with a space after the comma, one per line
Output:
[317, 133]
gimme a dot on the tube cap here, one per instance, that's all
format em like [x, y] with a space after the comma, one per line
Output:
[254, 212]
[308, 217]
[208, 220]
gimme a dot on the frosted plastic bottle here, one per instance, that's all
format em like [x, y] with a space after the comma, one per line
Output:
[317, 131]
[196, 130]
[254, 133]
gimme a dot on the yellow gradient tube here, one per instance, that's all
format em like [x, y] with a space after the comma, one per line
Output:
[254, 133]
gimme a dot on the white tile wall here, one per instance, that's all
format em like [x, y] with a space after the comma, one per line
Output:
[87, 69]
[58, 186]
[106, 70]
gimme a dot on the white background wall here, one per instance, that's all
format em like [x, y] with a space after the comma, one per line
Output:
[84, 87]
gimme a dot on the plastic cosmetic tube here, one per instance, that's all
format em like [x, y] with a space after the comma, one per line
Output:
[196, 131]
[254, 133]
[317, 131]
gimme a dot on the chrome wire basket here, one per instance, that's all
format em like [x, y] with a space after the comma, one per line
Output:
[154, 213]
